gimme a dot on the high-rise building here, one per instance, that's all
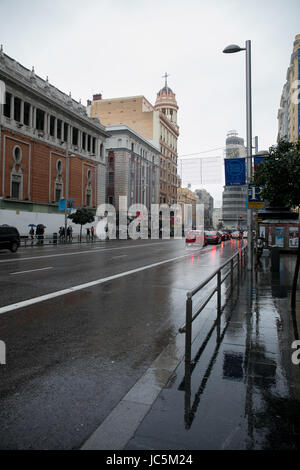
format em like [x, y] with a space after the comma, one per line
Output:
[289, 111]
[234, 210]
[157, 124]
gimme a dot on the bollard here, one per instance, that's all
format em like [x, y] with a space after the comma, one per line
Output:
[275, 259]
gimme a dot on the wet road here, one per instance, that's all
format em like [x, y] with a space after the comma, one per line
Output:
[81, 325]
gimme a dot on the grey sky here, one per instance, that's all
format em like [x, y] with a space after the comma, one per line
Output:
[123, 47]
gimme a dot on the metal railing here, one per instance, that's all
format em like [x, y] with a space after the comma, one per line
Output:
[237, 260]
[50, 240]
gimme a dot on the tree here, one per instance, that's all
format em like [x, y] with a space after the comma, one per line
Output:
[279, 178]
[81, 217]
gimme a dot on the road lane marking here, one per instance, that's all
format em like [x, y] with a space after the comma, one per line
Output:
[70, 290]
[120, 256]
[10, 260]
[30, 271]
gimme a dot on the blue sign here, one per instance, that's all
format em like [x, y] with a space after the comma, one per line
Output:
[235, 171]
[62, 204]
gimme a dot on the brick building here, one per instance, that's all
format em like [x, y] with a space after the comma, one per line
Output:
[49, 149]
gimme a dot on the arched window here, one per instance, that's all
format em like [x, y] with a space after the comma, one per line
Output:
[16, 176]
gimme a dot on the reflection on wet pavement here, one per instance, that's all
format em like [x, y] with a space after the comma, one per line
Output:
[243, 391]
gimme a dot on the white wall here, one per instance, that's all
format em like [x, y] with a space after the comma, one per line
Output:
[52, 222]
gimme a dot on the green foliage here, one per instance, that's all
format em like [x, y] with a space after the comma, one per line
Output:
[82, 216]
[279, 175]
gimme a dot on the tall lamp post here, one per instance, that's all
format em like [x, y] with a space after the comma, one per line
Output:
[230, 50]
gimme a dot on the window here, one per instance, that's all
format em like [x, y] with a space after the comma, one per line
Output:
[17, 154]
[58, 192]
[94, 145]
[59, 129]
[75, 136]
[7, 107]
[17, 110]
[26, 115]
[88, 143]
[16, 186]
[101, 150]
[84, 141]
[110, 177]
[40, 119]
[88, 197]
[52, 126]
[66, 132]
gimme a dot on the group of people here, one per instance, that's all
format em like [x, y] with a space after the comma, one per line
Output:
[65, 236]
[39, 234]
[90, 234]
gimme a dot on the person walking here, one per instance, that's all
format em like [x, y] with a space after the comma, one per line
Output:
[31, 234]
[70, 233]
[88, 234]
[93, 234]
[61, 234]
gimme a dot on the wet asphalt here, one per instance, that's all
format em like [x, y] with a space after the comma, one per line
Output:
[71, 359]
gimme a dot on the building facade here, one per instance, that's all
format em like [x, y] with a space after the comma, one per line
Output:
[289, 111]
[186, 196]
[203, 197]
[49, 150]
[234, 212]
[133, 168]
[157, 124]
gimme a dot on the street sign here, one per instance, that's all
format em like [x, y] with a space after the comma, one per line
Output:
[255, 200]
[235, 171]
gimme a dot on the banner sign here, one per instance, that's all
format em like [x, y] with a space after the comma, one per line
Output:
[235, 171]
[61, 204]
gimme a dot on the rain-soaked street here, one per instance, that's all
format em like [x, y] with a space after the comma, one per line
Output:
[243, 391]
[82, 325]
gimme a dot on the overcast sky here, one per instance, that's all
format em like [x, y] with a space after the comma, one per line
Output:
[123, 47]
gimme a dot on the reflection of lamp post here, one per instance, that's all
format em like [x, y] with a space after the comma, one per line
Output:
[230, 50]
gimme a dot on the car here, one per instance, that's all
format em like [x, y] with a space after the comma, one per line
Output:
[224, 235]
[213, 237]
[236, 234]
[195, 236]
[9, 238]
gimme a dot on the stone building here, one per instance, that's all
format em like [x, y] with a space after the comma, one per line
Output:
[49, 149]
[133, 168]
[157, 124]
[289, 111]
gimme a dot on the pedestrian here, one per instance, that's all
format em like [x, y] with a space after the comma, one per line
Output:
[61, 233]
[88, 235]
[70, 233]
[31, 233]
[93, 233]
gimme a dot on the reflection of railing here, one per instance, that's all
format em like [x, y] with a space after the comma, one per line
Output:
[237, 260]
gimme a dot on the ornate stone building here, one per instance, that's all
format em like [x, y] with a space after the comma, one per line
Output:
[49, 149]
[157, 124]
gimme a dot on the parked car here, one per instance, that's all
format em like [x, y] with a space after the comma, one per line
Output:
[9, 238]
[213, 237]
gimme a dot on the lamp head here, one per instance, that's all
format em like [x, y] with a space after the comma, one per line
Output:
[232, 48]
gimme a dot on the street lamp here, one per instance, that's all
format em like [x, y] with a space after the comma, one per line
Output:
[231, 50]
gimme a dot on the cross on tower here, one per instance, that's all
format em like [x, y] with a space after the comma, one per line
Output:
[165, 76]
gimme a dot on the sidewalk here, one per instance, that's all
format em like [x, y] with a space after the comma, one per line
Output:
[245, 390]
